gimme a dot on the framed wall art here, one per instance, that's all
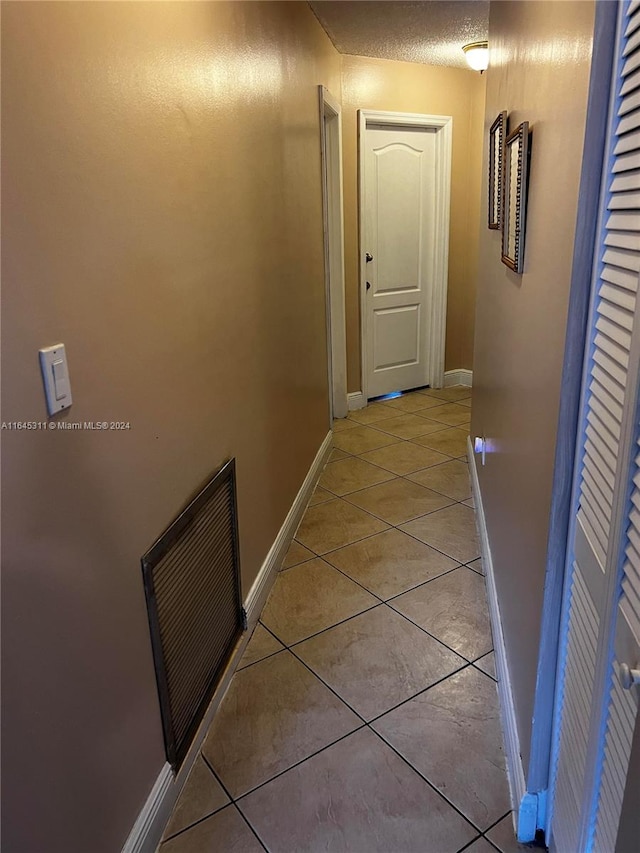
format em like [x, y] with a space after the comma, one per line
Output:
[497, 135]
[514, 203]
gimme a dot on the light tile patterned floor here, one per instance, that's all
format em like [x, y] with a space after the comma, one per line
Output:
[364, 717]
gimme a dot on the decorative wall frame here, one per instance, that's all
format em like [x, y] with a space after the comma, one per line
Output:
[514, 198]
[497, 135]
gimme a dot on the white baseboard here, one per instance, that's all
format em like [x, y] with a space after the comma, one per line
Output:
[458, 377]
[149, 826]
[356, 400]
[147, 829]
[515, 771]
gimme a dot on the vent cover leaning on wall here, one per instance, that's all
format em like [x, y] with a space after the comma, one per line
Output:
[192, 585]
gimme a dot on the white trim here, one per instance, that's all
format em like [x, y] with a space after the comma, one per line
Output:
[438, 312]
[147, 830]
[149, 826]
[356, 400]
[332, 205]
[458, 377]
[520, 800]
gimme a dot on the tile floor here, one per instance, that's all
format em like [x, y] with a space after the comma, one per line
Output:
[364, 716]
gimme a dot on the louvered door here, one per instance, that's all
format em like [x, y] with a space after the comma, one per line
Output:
[622, 706]
[595, 715]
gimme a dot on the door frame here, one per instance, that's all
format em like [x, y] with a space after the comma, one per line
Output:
[437, 315]
[333, 228]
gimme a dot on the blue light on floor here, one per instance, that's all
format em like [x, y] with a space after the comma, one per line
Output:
[391, 396]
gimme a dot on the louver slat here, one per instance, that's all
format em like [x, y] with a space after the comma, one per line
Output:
[630, 84]
[633, 22]
[629, 122]
[624, 259]
[627, 180]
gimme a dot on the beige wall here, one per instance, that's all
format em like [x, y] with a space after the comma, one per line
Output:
[381, 84]
[539, 72]
[162, 218]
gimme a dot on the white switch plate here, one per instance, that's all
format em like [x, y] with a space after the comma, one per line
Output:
[55, 375]
[480, 446]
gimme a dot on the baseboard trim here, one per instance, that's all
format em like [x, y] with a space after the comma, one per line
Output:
[520, 800]
[144, 836]
[149, 826]
[356, 400]
[458, 377]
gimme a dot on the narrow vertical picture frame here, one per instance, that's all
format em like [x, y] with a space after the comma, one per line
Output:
[497, 135]
[514, 203]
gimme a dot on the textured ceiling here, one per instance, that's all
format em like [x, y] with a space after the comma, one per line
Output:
[432, 31]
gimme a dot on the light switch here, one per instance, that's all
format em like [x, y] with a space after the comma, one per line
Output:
[55, 375]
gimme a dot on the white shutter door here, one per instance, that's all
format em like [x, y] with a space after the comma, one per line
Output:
[595, 715]
[574, 726]
[622, 710]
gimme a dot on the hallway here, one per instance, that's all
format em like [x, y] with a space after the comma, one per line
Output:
[364, 715]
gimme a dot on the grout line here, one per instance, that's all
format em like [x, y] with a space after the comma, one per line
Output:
[430, 784]
[433, 547]
[301, 563]
[397, 594]
[260, 660]
[394, 476]
[328, 686]
[420, 435]
[406, 521]
[368, 725]
[366, 610]
[291, 648]
[246, 820]
[370, 486]
[206, 817]
[324, 630]
[471, 843]
[486, 674]
[495, 823]
[220, 782]
[233, 802]
[390, 527]
[433, 637]
[457, 671]
[424, 583]
[493, 843]
[196, 822]
[333, 550]
[298, 763]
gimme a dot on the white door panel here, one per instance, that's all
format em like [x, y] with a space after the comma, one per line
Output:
[400, 199]
[396, 337]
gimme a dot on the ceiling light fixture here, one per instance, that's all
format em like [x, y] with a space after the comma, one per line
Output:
[477, 55]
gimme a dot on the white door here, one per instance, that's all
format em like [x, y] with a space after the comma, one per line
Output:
[399, 255]
[596, 704]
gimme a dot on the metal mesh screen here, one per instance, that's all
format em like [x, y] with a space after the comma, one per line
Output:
[192, 584]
